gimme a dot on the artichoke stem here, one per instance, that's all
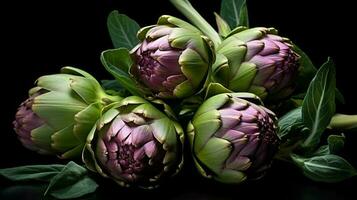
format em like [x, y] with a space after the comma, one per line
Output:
[185, 7]
[343, 122]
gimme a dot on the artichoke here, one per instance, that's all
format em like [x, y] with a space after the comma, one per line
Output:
[60, 112]
[233, 139]
[257, 60]
[173, 58]
[135, 144]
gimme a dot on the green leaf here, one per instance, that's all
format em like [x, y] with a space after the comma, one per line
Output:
[326, 168]
[291, 124]
[235, 12]
[322, 151]
[31, 172]
[118, 62]
[223, 27]
[307, 70]
[339, 96]
[65, 181]
[307, 73]
[319, 103]
[243, 16]
[113, 87]
[336, 143]
[122, 30]
[71, 182]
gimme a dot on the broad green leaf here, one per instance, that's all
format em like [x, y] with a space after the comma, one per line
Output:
[336, 143]
[122, 30]
[72, 182]
[243, 15]
[322, 151]
[31, 172]
[319, 103]
[327, 168]
[307, 73]
[65, 181]
[235, 12]
[113, 87]
[290, 125]
[307, 70]
[292, 132]
[118, 62]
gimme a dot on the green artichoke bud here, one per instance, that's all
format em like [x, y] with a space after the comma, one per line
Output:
[257, 60]
[60, 112]
[173, 58]
[233, 139]
[135, 144]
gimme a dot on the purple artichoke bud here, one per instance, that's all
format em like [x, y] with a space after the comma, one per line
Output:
[136, 144]
[25, 121]
[257, 60]
[60, 112]
[233, 139]
[173, 58]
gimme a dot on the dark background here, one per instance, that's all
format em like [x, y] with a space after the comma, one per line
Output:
[39, 37]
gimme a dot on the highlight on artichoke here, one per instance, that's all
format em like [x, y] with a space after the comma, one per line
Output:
[60, 112]
[173, 58]
[233, 139]
[134, 143]
[174, 74]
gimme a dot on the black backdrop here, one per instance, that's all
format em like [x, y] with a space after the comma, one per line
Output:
[39, 37]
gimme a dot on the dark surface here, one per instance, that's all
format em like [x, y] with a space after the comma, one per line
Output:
[42, 36]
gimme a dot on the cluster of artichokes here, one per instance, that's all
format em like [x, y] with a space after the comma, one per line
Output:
[138, 139]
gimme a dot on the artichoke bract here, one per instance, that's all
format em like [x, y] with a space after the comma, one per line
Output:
[60, 112]
[233, 139]
[257, 60]
[173, 58]
[135, 144]
[26, 121]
